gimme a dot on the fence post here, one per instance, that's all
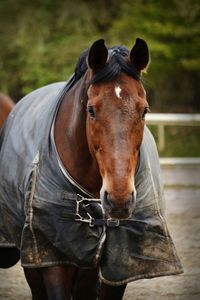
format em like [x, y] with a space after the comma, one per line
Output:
[161, 119]
[161, 137]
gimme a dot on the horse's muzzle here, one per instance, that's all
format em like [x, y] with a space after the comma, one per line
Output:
[118, 209]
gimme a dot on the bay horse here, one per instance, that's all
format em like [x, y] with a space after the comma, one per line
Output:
[6, 105]
[98, 132]
[94, 141]
[104, 115]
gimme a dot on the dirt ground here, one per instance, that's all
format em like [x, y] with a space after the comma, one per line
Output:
[183, 216]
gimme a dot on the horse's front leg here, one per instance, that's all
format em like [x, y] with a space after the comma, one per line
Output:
[58, 281]
[36, 284]
[85, 284]
[108, 292]
[50, 283]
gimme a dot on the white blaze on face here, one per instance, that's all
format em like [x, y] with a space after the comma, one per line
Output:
[118, 91]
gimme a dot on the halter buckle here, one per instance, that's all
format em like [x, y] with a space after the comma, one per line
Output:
[112, 223]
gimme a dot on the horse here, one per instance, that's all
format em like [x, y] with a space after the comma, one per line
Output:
[74, 165]
[6, 105]
[8, 256]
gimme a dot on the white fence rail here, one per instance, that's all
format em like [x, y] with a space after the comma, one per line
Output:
[161, 120]
[180, 161]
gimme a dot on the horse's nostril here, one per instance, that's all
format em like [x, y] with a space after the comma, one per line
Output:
[107, 200]
[105, 195]
[128, 202]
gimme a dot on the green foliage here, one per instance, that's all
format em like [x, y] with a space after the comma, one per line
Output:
[42, 42]
[172, 30]
[42, 39]
[176, 144]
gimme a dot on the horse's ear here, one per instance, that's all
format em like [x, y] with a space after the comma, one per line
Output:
[139, 55]
[98, 55]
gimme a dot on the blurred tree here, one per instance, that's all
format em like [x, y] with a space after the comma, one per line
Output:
[172, 30]
[41, 40]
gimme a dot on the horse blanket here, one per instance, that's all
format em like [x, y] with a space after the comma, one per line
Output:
[53, 220]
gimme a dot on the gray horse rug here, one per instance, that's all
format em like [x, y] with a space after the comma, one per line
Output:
[52, 220]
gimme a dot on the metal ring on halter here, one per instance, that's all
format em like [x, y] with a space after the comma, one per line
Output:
[90, 220]
[78, 216]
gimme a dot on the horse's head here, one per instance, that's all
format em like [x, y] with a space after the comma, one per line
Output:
[116, 111]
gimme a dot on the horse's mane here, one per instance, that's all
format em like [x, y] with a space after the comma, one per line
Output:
[116, 64]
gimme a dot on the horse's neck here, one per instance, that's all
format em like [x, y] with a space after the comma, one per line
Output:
[71, 141]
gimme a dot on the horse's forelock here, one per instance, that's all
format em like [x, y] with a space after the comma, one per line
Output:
[116, 64]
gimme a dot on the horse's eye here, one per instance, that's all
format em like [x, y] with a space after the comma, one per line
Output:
[145, 111]
[91, 111]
